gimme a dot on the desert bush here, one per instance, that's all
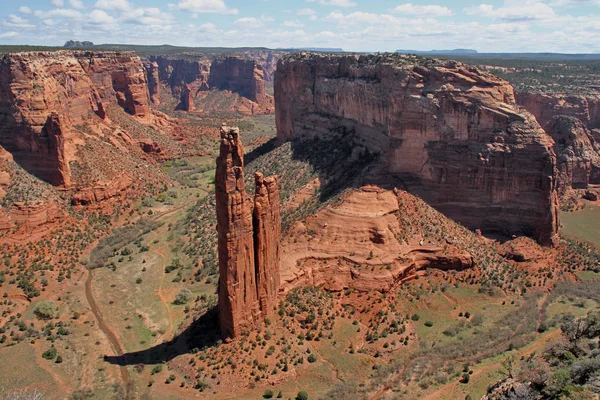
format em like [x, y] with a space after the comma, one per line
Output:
[46, 310]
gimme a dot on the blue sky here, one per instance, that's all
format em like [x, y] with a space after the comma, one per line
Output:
[571, 26]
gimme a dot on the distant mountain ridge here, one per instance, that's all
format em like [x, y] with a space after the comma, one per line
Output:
[450, 52]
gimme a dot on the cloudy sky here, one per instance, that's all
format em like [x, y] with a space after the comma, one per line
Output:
[571, 26]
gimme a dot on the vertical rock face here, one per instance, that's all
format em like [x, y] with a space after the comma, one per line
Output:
[577, 153]
[177, 72]
[239, 75]
[153, 81]
[545, 107]
[248, 258]
[186, 101]
[238, 303]
[267, 234]
[446, 131]
[44, 94]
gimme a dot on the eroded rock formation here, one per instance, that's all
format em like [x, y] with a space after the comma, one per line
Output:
[446, 131]
[153, 81]
[248, 257]
[44, 95]
[186, 101]
[577, 153]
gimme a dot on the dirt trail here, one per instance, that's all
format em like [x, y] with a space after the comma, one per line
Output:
[112, 337]
[162, 255]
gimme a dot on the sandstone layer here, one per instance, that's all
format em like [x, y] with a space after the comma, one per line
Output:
[361, 244]
[178, 71]
[248, 244]
[446, 131]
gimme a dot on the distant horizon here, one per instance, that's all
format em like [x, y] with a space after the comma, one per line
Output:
[490, 26]
[462, 51]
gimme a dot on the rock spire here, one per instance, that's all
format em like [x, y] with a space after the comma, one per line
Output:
[248, 242]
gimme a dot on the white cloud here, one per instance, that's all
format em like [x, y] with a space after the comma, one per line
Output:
[151, 16]
[99, 17]
[77, 4]
[7, 35]
[266, 18]
[293, 24]
[25, 10]
[427, 10]
[306, 11]
[58, 3]
[15, 22]
[336, 3]
[204, 6]
[514, 11]
[66, 13]
[119, 5]
[248, 23]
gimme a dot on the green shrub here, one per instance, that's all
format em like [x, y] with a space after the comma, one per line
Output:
[183, 296]
[302, 395]
[50, 354]
[268, 394]
[46, 310]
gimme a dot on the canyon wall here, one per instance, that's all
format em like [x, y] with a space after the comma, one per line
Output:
[43, 95]
[445, 131]
[248, 244]
[178, 71]
[545, 106]
[239, 75]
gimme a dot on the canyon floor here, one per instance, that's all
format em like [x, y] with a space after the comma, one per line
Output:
[135, 310]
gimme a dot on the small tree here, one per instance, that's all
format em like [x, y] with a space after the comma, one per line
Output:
[302, 395]
[268, 394]
[183, 296]
[46, 310]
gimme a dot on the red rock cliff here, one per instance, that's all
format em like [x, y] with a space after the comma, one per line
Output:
[44, 94]
[546, 106]
[176, 72]
[248, 257]
[446, 131]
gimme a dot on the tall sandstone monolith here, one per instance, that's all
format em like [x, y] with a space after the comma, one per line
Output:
[248, 245]
[267, 234]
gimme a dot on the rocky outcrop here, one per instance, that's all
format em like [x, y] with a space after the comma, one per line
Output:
[446, 131]
[577, 153]
[101, 191]
[28, 215]
[239, 75]
[545, 107]
[45, 95]
[246, 286]
[360, 244]
[153, 81]
[267, 234]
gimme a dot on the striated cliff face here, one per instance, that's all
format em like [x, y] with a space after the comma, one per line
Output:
[177, 72]
[239, 75]
[248, 255]
[577, 153]
[546, 106]
[43, 95]
[444, 130]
